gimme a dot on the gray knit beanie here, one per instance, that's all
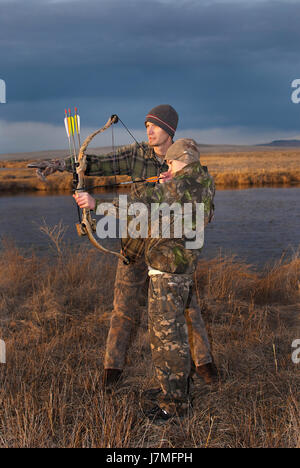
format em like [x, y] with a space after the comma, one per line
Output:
[165, 117]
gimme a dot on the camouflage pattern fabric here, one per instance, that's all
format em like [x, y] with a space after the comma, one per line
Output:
[168, 296]
[130, 286]
[170, 256]
[129, 283]
[46, 168]
[193, 184]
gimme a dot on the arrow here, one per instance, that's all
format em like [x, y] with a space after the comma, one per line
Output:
[69, 126]
[68, 132]
[72, 132]
[77, 125]
[152, 180]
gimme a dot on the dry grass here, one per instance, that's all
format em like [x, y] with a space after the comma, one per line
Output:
[255, 168]
[54, 318]
[239, 169]
[21, 179]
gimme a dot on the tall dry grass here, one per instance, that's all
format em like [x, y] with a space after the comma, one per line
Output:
[230, 170]
[54, 319]
[254, 168]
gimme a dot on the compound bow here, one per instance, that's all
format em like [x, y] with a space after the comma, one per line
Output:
[87, 226]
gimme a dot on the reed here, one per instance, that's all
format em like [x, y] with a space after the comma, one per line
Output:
[55, 313]
[230, 170]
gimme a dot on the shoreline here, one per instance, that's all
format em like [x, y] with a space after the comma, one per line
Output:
[23, 182]
[230, 170]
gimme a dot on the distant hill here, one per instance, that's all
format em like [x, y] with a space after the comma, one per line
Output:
[275, 145]
[283, 143]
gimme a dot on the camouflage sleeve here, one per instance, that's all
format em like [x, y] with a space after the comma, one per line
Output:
[166, 249]
[208, 194]
[167, 192]
[120, 162]
[194, 185]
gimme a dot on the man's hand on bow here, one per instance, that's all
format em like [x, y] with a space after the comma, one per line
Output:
[85, 200]
[46, 168]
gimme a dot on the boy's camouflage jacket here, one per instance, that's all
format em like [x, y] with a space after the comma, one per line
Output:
[193, 184]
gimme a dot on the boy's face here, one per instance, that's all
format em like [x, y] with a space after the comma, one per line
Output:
[175, 165]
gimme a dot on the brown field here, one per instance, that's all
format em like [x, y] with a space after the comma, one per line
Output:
[239, 169]
[54, 319]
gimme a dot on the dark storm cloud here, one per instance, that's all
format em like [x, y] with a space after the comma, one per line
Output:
[114, 32]
[220, 63]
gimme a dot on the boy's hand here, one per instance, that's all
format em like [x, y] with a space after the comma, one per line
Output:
[165, 177]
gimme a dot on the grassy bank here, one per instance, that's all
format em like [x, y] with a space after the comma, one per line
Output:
[54, 319]
[230, 170]
[258, 169]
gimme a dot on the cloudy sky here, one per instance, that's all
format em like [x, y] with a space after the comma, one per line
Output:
[225, 65]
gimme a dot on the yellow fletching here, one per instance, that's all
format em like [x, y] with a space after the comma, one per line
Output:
[69, 126]
[72, 125]
[76, 124]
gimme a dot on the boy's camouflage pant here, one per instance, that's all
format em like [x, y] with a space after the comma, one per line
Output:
[168, 296]
[129, 283]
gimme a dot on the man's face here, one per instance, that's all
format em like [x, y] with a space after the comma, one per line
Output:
[156, 135]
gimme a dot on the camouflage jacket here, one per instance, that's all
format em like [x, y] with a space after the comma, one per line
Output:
[138, 161]
[192, 185]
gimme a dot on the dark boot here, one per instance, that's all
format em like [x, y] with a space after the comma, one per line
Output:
[111, 377]
[158, 415]
[208, 372]
[151, 394]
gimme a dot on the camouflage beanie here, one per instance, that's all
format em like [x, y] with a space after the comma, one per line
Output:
[165, 117]
[184, 150]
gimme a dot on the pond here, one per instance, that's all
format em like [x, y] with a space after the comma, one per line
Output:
[257, 224]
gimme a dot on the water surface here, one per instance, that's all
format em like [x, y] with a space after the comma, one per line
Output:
[257, 224]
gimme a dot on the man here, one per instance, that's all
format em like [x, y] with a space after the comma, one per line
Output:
[140, 161]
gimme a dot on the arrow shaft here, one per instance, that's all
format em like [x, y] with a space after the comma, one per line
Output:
[77, 127]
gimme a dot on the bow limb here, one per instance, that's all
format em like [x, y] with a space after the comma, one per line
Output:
[113, 119]
[81, 162]
[87, 225]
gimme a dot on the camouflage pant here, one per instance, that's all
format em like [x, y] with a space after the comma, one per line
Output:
[168, 297]
[130, 280]
[129, 284]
